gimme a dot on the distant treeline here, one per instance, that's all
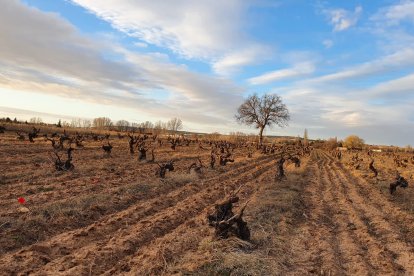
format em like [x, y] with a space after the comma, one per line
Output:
[105, 123]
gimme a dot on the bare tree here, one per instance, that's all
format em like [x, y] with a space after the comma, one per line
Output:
[101, 122]
[305, 138]
[86, 123]
[65, 124]
[263, 111]
[146, 127]
[76, 122]
[36, 120]
[135, 126]
[123, 125]
[175, 124]
[160, 127]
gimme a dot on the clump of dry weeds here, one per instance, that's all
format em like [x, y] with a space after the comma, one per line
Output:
[272, 215]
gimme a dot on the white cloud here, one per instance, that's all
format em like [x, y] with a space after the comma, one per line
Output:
[327, 43]
[394, 14]
[210, 31]
[232, 63]
[193, 29]
[54, 58]
[301, 69]
[393, 88]
[334, 111]
[141, 44]
[342, 19]
[402, 58]
[42, 54]
[382, 113]
[43, 42]
[391, 25]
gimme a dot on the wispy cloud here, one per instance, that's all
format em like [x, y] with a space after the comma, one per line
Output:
[141, 44]
[403, 58]
[394, 89]
[333, 111]
[394, 14]
[342, 19]
[301, 69]
[328, 43]
[233, 62]
[210, 31]
[61, 61]
[192, 59]
[193, 29]
[52, 45]
[393, 25]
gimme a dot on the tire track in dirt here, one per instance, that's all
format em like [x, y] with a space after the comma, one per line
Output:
[104, 229]
[352, 260]
[367, 256]
[392, 252]
[403, 221]
[346, 233]
[317, 247]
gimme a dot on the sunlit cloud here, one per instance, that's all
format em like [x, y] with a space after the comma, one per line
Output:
[342, 69]
[194, 29]
[301, 69]
[96, 79]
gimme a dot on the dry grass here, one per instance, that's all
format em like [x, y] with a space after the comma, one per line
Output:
[272, 214]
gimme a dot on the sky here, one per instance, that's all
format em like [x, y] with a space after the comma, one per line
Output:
[341, 67]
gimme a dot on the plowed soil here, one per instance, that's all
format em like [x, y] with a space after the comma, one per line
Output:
[352, 228]
[112, 215]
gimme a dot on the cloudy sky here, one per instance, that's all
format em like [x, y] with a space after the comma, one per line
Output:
[341, 67]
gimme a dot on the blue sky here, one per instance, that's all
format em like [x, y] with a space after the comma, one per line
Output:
[342, 67]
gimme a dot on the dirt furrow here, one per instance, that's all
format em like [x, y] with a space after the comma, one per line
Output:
[80, 183]
[345, 233]
[20, 176]
[104, 228]
[403, 221]
[375, 252]
[378, 228]
[168, 248]
[127, 241]
[319, 247]
[369, 253]
[353, 262]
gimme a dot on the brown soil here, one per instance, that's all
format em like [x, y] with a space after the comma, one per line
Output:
[112, 215]
[351, 227]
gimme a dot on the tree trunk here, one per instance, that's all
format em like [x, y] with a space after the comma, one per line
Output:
[261, 135]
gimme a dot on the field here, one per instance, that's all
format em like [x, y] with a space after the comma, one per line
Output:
[113, 215]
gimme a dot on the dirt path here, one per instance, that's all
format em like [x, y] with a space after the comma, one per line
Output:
[350, 228]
